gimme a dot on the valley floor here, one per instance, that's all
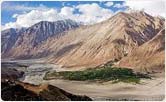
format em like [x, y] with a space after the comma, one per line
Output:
[149, 89]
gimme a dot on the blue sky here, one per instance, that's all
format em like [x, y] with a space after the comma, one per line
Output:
[25, 13]
[7, 13]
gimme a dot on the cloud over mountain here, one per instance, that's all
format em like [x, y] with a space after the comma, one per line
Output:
[153, 7]
[87, 14]
[108, 4]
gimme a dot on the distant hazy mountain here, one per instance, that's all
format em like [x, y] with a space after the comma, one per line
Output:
[26, 40]
[91, 45]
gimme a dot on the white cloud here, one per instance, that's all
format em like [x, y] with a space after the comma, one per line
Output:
[153, 7]
[67, 11]
[109, 4]
[32, 17]
[88, 14]
[92, 13]
[15, 15]
[9, 25]
[120, 5]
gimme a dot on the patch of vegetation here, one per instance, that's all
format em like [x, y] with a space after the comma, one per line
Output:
[106, 73]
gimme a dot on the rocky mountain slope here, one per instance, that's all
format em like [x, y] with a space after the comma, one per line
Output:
[9, 38]
[93, 45]
[19, 91]
[14, 90]
[22, 42]
[110, 40]
[11, 91]
[148, 57]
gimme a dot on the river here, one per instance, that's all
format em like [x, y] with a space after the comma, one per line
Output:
[34, 70]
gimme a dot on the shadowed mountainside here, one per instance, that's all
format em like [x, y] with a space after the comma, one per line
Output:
[149, 56]
[27, 40]
[19, 91]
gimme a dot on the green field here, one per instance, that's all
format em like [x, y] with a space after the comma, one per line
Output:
[106, 73]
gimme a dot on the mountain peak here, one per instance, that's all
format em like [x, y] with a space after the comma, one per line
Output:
[44, 29]
[133, 13]
[58, 21]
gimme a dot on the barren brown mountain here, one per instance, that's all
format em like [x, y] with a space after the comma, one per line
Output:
[149, 57]
[93, 45]
[110, 40]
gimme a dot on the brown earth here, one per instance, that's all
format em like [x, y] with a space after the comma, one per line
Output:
[149, 57]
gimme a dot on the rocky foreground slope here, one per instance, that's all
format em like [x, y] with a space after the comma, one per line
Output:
[94, 45]
[19, 91]
[14, 90]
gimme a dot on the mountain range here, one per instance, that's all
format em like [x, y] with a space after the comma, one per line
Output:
[33, 36]
[134, 40]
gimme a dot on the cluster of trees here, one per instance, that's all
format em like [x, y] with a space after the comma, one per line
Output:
[105, 73]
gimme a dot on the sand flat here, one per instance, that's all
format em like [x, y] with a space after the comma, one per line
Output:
[149, 89]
